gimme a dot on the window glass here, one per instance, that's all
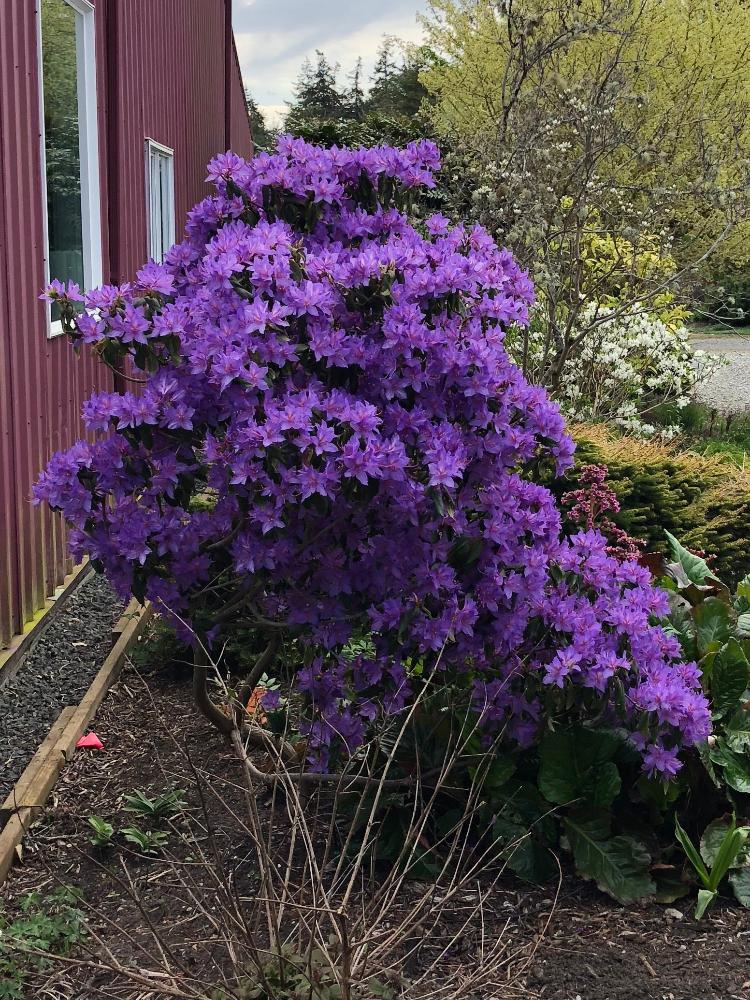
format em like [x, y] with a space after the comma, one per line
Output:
[161, 222]
[60, 62]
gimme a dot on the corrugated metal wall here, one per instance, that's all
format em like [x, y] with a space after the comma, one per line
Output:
[170, 87]
[161, 75]
[42, 382]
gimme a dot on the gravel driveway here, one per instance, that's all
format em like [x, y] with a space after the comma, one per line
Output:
[729, 388]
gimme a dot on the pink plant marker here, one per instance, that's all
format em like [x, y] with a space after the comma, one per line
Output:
[89, 742]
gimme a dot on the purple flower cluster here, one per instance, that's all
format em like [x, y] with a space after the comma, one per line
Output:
[332, 442]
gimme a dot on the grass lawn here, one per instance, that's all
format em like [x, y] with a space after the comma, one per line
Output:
[712, 433]
[716, 328]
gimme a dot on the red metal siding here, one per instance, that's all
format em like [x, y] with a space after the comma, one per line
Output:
[42, 382]
[170, 88]
[160, 74]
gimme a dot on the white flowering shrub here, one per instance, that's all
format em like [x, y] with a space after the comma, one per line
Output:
[625, 366]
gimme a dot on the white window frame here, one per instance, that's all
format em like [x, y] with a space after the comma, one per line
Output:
[88, 132]
[165, 152]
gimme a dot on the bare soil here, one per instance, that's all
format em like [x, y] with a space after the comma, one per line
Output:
[563, 942]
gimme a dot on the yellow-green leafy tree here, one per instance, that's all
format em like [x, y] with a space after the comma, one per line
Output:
[605, 141]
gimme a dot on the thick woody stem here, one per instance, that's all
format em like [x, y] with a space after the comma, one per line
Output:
[220, 720]
[261, 666]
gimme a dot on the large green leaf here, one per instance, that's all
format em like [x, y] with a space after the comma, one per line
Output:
[577, 764]
[712, 625]
[740, 883]
[730, 673]
[743, 625]
[681, 624]
[735, 767]
[670, 887]
[618, 865]
[713, 772]
[696, 569]
[497, 774]
[521, 803]
[723, 847]
[523, 853]
[712, 839]
[737, 731]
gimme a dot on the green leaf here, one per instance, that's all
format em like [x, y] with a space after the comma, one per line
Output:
[692, 853]
[522, 804]
[729, 852]
[712, 624]
[735, 767]
[743, 588]
[723, 848]
[577, 764]
[705, 898]
[680, 623]
[380, 990]
[523, 854]
[696, 569]
[618, 865]
[743, 625]
[737, 731]
[669, 887]
[712, 839]
[729, 678]
[498, 773]
[103, 831]
[740, 883]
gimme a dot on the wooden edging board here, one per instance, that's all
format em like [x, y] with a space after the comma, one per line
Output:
[29, 794]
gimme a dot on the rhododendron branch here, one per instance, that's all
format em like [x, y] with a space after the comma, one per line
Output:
[317, 779]
[220, 720]
[262, 665]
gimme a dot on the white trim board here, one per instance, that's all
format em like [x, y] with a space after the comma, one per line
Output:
[88, 129]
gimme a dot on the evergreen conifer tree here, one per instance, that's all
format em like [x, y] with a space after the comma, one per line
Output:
[263, 138]
[315, 93]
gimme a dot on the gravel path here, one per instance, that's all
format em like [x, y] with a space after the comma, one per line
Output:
[56, 673]
[729, 389]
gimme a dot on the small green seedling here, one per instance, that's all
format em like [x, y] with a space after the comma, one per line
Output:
[147, 841]
[289, 976]
[170, 803]
[54, 924]
[727, 853]
[103, 831]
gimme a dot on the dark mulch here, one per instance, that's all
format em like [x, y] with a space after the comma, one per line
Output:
[571, 942]
[57, 672]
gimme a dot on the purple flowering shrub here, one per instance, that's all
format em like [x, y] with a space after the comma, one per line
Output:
[331, 443]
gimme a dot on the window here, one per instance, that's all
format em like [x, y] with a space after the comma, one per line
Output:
[70, 146]
[159, 199]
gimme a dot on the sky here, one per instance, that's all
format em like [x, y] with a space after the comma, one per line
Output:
[274, 36]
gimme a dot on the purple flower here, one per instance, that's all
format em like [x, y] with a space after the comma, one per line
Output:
[437, 225]
[271, 700]
[157, 278]
[563, 665]
[57, 290]
[660, 762]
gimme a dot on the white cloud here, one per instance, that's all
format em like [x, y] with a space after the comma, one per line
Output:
[274, 114]
[274, 36]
